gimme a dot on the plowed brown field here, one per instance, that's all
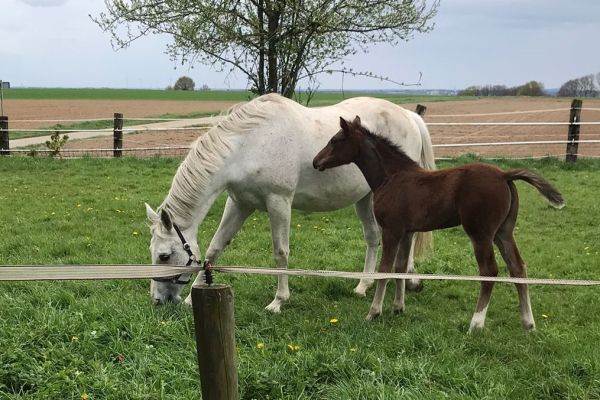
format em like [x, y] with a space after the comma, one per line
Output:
[552, 110]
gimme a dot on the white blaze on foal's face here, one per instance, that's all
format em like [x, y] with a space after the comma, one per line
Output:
[166, 248]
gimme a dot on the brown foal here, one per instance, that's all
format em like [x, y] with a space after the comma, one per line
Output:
[408, 199]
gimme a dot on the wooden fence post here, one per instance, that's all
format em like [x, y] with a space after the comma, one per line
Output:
[574, 127]
[118, 135]
[4, 142]
[421, 110]
[215, 341]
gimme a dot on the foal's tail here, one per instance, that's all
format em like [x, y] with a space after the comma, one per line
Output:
[424, 240]
[543, 186]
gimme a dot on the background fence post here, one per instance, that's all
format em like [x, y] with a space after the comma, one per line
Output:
[215, 341]
[574, 127]
[421, 110]
[4, 142]
[118, 135]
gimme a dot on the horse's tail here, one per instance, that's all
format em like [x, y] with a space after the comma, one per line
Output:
[427, 159]
[551, 194]
[424, 240]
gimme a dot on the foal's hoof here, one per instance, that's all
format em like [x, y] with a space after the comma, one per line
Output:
[529, 328]
[414, 285]
[373, 316]
[398, 310]
[188, 301]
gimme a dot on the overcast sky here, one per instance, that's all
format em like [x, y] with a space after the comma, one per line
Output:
[53, 43]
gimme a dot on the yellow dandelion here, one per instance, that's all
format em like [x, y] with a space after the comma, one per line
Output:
[85, 396]
[292, 348]
[135, 233]
[353, 349]
[78, 205]
[74, 339]
[544, 316]
[299, 226]
[52, 213]
[260, 345]
[333, 321]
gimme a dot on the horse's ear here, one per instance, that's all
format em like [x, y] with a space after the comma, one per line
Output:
[356, 120]
[343, 124]
[165, 218]
[151, 214]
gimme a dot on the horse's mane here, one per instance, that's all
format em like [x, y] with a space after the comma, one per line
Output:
[395, 148]
[209, 152]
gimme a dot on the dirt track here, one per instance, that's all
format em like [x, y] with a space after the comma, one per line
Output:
[440, 134]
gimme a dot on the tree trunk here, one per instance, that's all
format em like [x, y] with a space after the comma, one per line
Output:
[261, 44]
[273, 27]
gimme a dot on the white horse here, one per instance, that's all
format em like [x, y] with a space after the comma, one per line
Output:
[261, 154]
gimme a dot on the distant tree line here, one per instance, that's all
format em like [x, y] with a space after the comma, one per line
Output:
[531, 88]
[586, 86]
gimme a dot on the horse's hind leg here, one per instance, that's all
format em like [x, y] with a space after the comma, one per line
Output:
[510, 253]
[390, 248]
[516, 267]
[232, 220]
[484, 253]
[401, 266]
[280, 211]
[372, 234]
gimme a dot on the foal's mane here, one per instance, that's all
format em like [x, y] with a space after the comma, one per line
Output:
[395, 149]
[209, 152]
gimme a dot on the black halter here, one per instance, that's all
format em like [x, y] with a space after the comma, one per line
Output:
[208, 278]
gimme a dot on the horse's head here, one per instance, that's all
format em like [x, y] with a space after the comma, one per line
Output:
[342, 148]
[167, 248]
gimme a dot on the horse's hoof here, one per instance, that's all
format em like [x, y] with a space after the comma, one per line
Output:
[414, 287]
[475, 329]
[373, 316]
[529, 328]
[274, 307]
[360, 291]
[188, 301]
[398, 310]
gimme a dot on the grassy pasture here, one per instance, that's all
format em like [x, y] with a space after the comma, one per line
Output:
[61, 340]
[320, 98]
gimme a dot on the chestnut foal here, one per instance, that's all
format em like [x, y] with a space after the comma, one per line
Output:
[408, 199]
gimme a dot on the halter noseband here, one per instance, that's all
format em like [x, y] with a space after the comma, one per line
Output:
[191, 260]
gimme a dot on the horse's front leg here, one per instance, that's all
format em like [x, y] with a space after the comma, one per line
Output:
[390, 249]
[232, 220]
[372, 234]
[280, 211]
[401, 266]
[413, 284]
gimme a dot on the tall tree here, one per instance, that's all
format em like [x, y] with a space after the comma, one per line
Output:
[274, 43]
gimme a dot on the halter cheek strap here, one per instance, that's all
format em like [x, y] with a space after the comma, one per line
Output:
[206, 266]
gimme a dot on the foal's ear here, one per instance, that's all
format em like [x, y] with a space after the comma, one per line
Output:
[356, 120]
[165, 218]
[344, 124]
[151, 214]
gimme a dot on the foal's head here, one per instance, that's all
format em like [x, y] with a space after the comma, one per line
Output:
[344, 146]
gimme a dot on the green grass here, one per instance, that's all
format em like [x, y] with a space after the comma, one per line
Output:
[59, 340]
[123, 94]
[320, 98]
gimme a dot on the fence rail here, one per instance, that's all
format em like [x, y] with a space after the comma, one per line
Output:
[571, 153]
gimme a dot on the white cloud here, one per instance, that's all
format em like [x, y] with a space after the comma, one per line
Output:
[44, 3]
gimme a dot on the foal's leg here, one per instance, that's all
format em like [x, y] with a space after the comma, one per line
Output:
[510, 253]
[232, 220]
[390, 248]
[279, 209]
[516, 267]
[413, 284]
[372, 234]
[401, 266]
[484, 253]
